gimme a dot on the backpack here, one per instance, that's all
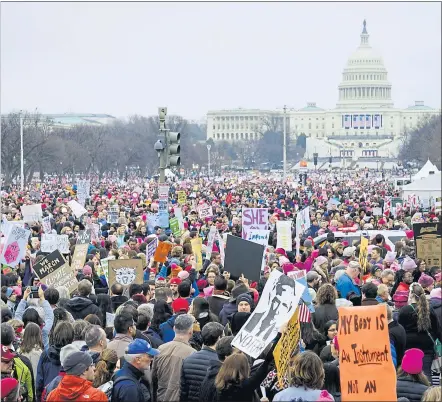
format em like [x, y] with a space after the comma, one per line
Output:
[108, 387]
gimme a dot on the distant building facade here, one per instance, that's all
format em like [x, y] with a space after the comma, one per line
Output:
[364, 123]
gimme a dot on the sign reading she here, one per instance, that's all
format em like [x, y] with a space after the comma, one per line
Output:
[254, 219]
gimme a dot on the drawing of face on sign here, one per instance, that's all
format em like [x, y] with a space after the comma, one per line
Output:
[125, 275]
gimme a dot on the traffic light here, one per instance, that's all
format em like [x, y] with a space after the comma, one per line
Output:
[173, 148]
[315, 158]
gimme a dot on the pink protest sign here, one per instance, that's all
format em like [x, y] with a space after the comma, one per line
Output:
[254, 219]
[14, 248]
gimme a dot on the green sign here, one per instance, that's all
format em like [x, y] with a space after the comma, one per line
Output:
[175, 226]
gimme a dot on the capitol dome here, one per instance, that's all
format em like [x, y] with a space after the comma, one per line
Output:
[364, 79]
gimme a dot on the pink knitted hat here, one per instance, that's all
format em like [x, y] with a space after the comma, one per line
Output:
[408, 265]
[412, 361]
[425, 281]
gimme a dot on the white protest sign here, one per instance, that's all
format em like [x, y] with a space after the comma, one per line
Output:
[210, 241]
[31, 213]
[222, 246]
[259, 236]
[205, 211]
[48, 242]
[179, 215]
[77, 209]
[254, 219]
[302, 221]
[47, 224]
[377, 211]
[277, 304]
[14, 247]
[284, 235]
[63, 244]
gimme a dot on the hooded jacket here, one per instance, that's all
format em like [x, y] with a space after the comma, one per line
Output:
[227, 310]
[73, 388]
[80, 307]
[48, 368]
[436, 304]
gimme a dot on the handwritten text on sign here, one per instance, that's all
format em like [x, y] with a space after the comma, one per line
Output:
[254, 219]
[367, 369]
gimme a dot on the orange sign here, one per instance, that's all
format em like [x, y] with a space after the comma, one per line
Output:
[303, 164]
[367, 369]
[162, 251]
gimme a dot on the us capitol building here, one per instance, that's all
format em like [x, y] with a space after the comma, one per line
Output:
[364, 123]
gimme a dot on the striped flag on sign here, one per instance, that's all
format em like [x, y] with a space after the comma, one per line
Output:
[438, 205]
[304, 313]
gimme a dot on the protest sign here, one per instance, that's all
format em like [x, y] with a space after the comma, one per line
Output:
[254, 219]
[259, 236]
[162, 251]
[31, 213]
[110, 320]
[205, 211]
[175, 226]
[284, 237]
[77, 209]
[363, 254]
[152, 222]
[14, 247]
[112, 214]
[151, 248]
[47, 228]
[286, 346]
[302, 221]
[276, 305]
[366, 367]
[179, 215]
[243, 257]
[182, 198]
[222, 247]
[80, 251]
[126, 272]
[49, 264]
[428, 239]
[83, 188]
[197, 249]
[163, 192]
[51, 242]
[104, 264]
[62, 276]
[377, 211]
[210, 241]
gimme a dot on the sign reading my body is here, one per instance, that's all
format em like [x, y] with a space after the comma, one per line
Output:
[254, 219]
[366, 367]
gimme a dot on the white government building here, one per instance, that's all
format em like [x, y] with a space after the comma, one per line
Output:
[364, 124]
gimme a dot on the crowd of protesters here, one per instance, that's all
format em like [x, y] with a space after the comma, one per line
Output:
[170, 338]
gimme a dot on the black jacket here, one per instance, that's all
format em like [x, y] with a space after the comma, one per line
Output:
[436, 304]
[80, 307]
[216, 303]
[208, 389]
[407, 388]
[117, 301]
[322, 314]
[399, 339]
[193, 373]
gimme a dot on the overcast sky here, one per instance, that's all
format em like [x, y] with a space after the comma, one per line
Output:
[127, 58]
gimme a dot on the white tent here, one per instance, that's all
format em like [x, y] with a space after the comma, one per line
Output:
[426, 171]
[425, 188]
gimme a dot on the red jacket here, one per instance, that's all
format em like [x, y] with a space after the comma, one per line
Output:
[73, 388]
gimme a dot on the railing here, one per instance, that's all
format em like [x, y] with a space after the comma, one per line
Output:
[360, 137]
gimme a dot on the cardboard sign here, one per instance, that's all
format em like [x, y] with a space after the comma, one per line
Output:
[162, 251]
[243, 257]
[49, 264]
[284, 235]
[285, 347]
[126, 272]
[31, 213]
[363, 254]
[77, 209]
[205, 211]
[14, 247]
[47, 224]
[366, 367]
[79, 257]
[254, 219]
[182, 198]
[276, 306]
[428, 239]
[62, 276]
[197, 249]
[210, 241]
[175, 226]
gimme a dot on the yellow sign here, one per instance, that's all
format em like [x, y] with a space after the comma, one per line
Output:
[286, 345]
[197, 249]
[363, 254]
[182, 198]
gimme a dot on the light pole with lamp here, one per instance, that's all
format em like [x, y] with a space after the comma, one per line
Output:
[284, 154]
[208, 159]
[22, 161]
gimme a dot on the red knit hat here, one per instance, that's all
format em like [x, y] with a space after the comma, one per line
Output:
[175, 281]
[180, 305]
[7, 386]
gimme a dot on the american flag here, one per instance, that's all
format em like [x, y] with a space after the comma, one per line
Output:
[412, 200]
[304, 313]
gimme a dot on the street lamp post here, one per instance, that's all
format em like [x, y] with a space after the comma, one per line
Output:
[284, 154]
[22, 164]
[208, 159]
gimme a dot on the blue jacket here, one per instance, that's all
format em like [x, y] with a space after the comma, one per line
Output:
[48, 368]
[346, 285]
[49, 318]
[128, 390]
[166, 329]
[227, 310]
